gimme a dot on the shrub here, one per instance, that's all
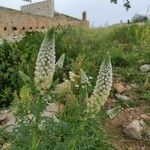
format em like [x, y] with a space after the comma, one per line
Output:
[139, 18]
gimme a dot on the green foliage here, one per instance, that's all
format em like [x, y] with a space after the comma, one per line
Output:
[15, 57]
[83, 48]
[139, 18]
[126, 3]
[72, 132]
[9, 81]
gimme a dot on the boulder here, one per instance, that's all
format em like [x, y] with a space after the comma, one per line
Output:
[8, 120]
[147, 132]
[145, 68]
[6, 146]
[135, 129]
[119, 87]
[145, 117]
[122, 97]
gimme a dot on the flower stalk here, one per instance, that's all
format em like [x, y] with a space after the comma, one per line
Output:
[45, 63]
[101, 89]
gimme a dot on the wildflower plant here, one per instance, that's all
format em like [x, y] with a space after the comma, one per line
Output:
[72, 128]
[60, 62]
[45, 68]
[45, 63]
[102, 88]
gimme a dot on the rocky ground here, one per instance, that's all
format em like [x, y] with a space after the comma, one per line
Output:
[128, 125]
[128, 121]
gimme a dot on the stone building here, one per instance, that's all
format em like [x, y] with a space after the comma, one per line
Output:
[35, 17]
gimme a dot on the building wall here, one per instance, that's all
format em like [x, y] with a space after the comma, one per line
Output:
[45, 8]
[14, 23]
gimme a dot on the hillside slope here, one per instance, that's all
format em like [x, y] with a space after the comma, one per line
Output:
[129, 48]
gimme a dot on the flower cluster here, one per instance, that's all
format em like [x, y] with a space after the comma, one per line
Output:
[84, 78]
[102, 87]
[45, 68]
[73, 77]
[45, 64]
[60, 62]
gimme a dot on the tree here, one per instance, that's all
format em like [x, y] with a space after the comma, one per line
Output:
[139, 18]
[126, 3]
[27, 0]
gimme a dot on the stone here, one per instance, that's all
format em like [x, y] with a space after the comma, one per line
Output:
[145, 68]
[11, 124]
[134, 85]
[145, 117]
[128, 88]
[3, 118]
[119, 87]
[50, 115]
[147, 132]
[9, 120]
[63, 88]
[122, 97]
[55, 107]
[6, 146]
[134, 129]
[112, 113]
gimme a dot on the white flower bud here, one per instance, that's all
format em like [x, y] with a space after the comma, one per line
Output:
[45, 64]
[102, 88]
[60, 62]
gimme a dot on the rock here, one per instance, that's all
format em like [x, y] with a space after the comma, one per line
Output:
[119, 87]
[134, 129]
[52, 107]
[122, 97]
[134, 85]
[63, 88]
[3, 118]
[55, 108]
[6, 146]
[147, 132]
[128, 87]
[50, 115]
[8, 120]
[113, 112]
[145, 117]
[145, 68]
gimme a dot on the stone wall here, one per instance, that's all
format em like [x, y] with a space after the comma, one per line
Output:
[14, 23]
[45, 8]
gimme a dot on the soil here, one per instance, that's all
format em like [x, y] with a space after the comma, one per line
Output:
[114, 128]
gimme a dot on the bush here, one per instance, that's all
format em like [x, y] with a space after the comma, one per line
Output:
[139, 18]
[9, 81]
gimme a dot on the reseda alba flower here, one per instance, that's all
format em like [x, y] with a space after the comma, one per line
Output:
[102, 87]
[73, 77]
[60, 62]
[45, 63]
[84, 78]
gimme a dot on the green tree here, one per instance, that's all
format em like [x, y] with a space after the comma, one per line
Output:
[126, 3]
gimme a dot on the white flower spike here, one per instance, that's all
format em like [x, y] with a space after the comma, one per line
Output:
[60, 62]
[45, 63]
[84, 78]
[102, 87]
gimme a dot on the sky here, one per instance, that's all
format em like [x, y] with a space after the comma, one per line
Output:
[99, 12]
